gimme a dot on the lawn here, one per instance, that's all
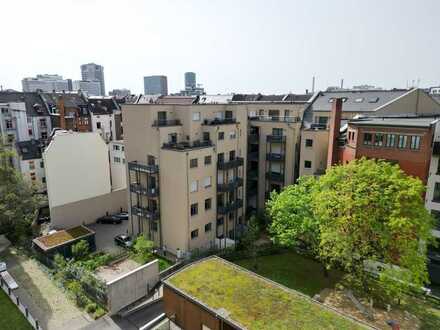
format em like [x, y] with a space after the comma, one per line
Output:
[10, 317]
[253, 302]
[145, 258]
[294, 271]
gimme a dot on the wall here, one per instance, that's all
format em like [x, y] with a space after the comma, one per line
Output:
[39, 171]
[107, 130]
[77, 167]
[118, 166]
[317, 154]
[86, 211]
[132, 286]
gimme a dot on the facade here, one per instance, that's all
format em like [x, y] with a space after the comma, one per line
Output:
[106, 117]
[90, 88]
[30, 163]
[118, 167]
[94, 72]
[120, 93]
[432, 198]
[155, 85]
[46, 83]
[191, 87]
[190, 80]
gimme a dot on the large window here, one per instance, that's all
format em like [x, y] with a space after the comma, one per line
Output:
[391, 140]
[415, 142]
[368, 138]
[194, 209]
[402, 141]
[378, 139]
[309, 143]
[307, 164]
[208, 203]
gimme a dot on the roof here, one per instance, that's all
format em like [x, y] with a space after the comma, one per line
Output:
[171, 99]
[103, 105]
[33, 102]
[421, 122]
[357, 101]
[271, 98]
[247, 300]
[213, 99]
[62, 237]
[29, 149]
[71, 100]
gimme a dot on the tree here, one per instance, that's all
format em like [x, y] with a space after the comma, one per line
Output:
[249, 240]
[80, 250]
[18, 203]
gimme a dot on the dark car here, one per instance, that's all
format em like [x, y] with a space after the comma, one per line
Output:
[121, 215]
[123, 240]
[109, 219]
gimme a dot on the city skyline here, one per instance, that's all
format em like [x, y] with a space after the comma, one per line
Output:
[267, 48]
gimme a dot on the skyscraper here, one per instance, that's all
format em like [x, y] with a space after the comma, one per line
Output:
[93, 72]
[155, 85]
[190, 80]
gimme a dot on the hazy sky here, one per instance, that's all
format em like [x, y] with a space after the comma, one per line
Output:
[271, 46]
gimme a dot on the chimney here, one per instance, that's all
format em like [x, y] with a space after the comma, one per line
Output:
[335, 125]
[62, 112]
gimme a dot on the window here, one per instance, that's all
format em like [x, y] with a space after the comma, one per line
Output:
[11, 138]
[193, 163]
[98, 125]
[196, 116]
[151, 160]
[307, 164]
[43, 123]
[41, 164]
[436, 197]
[221, 135]
[208, 227]
[208, 160]
[122, 148]
[116, 159]
[232, 155]
[207, 182]
[321, 120]
[232, 135]
[221, 158]
[33, 178]
[194, 234]
[391, 140]
[9, 124]
[115, 147]
[415, 142]
[359, 100]
[252, 114]
[194, 186]
[194, 209]
[44, 135]
[154, 225]
[373, 100]
[31, 165]
[368, 138]
[30, 131]
[220, 221]
[401, 142]
[331, 100]
[43, 179]
[309, 143]
[378, 139]
[208, 203]
[206, 136]
[123, 160]
[277, 131]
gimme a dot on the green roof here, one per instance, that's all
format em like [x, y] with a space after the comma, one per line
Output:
[62, 237]
[250, 301]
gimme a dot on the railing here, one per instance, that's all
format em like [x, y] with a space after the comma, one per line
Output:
[145, 212]
[231, 186]
[276, 138]
[277, 177]
[142, 190]
[275, 156]
[225, 209]
[22, 308]
[239, 161]
[276, 118]
[219, 121]
[135, 166]
[167, 122]
[187, 145]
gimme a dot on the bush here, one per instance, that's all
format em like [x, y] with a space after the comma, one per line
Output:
[80, 250]
[98, 313]
[91, 308]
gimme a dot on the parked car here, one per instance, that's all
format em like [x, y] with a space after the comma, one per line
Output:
[123, 240]
[2, 266]
[109, 219]
[121, 215]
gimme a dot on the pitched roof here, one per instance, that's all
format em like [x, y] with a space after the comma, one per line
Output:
[71, 100]
[421, 122]
[271, 98]
[103, 105]
[33, 102]
[29, 149]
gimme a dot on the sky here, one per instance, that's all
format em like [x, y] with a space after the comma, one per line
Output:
[241, 46]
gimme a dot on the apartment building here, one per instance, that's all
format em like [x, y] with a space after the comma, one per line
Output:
[30, 163]
[117, 164]
[106, 117]
[432, 197]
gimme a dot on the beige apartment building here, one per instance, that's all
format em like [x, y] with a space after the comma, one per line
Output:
[189, 166]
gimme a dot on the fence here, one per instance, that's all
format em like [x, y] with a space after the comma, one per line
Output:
[22, 308]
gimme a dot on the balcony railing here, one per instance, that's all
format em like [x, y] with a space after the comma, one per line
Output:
[231, 186]
[230, 207]
[273, 176]
[231, 164]
[276, 138]
[181, 146]
[135, 166]
[275, 157]
[142, 190]
[277, 119]
[145, 212]
[219, 121]
[167, 122]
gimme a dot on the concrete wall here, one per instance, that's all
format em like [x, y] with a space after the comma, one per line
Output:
[132, 286]
[86, 211]
[317, 153]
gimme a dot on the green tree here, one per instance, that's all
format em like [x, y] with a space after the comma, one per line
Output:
[80, 250]
[18, 202]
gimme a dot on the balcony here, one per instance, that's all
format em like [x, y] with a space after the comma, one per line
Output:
[135, 166]
[231, 186]
[230, 207]
[276, 119]
[219, 121]
[182, 146]
[276, 177]
[253, 138]
[167, 122]
[275, 157]
[145, 212]
[231, 164]
[276, 138]
[253, 156]
[252, 174]
[142, 190]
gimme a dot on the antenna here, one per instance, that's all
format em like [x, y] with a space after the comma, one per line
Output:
[313, 85]
[342, 83]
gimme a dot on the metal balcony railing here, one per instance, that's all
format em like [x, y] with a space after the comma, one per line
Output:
[136, 166]
[239, 161]
[225, 209]
[180, 146]
[231, 186]
[276, 118]
[219, 121]
[273, 176]
[276, 138]
[145, 212]
[275, 157]
[167, 122]
[142, 190]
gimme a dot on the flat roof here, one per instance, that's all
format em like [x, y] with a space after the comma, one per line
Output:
[61, 237]
[247, 300]
[421, 122]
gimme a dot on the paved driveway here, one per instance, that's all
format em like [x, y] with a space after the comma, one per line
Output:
[105, 234]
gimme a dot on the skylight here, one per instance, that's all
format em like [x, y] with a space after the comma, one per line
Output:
[359, 100]
[373, 100]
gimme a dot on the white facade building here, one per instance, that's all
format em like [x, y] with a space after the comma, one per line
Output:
[30, 163]
[89, 88]
[45, 83]
[118, 167]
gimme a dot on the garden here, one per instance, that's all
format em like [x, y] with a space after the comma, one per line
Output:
[10, 317]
